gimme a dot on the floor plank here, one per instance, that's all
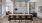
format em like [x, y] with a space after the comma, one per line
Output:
[35, 20]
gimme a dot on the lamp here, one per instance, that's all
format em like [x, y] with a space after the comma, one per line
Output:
[15, 9]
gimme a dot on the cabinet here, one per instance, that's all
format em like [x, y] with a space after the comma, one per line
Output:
[34, 14]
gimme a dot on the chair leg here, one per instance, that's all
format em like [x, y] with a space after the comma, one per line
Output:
[8, 21]
[15, 21]
[19, 21]
[25, 20]
[32, 21]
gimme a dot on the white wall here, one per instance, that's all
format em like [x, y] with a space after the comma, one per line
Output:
[33, 0]
[3, 7]
[22, 9]
[9, 4]
[11, 8]
[38, 3]
[0, 10]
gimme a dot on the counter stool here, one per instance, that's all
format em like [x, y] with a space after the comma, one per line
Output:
[20, 18]
[26, 18]
[10, 18]
[30, 17]
[23, 17]
[15, 18]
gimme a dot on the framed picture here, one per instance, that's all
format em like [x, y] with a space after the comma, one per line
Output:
[40, 9]
[32, 5]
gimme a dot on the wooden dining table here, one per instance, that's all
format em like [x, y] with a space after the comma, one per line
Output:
[20, 17]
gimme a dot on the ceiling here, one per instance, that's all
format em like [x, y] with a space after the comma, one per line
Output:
[0, 3]
[0, 0]
[20, 0]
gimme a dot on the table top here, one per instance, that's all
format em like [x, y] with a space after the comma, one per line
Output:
[20, 14]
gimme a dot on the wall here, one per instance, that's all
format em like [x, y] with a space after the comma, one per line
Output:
[22, 9]
[3, 8]
[10, 8]
[0, 10]
[9, 4]
[38, 3]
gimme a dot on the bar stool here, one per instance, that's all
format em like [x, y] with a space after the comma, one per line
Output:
[31, 18]
[20, 18]
[15, 18]
[23, 18]
[10, 18]
[26, 18]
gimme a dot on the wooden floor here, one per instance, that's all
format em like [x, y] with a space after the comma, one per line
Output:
[5, 20]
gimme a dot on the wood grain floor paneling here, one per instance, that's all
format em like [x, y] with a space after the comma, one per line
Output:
[5, 20]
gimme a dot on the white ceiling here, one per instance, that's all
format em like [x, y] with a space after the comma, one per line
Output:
[0, 3]
[8, 1]
[20, 0]
[0, 0]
